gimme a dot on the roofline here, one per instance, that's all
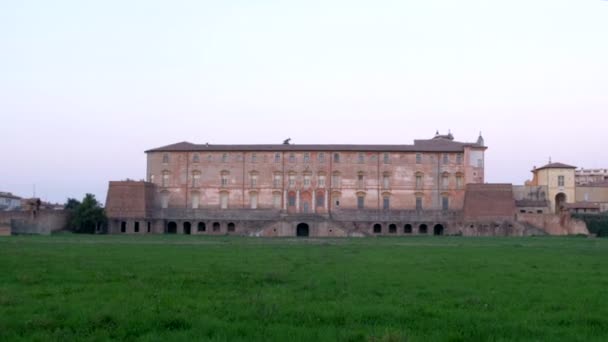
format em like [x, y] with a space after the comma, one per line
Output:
[323, 148]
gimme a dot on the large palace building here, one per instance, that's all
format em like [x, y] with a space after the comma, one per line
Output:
[312, 190]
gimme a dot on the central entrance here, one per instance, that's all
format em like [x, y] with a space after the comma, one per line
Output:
[302, 230]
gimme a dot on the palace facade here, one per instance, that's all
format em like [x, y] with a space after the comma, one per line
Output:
[312, 190]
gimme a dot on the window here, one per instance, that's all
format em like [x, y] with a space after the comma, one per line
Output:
[196, 179]
[445, 181]
[136, 227]
[166, 158]
[321, 181]
[446, 158]
[149, 227]
[277, 180]
[377, 228]
[336, 157]
[321, 157]
[254, 158]
[335, 180]
[387, 158]
[561, 181]
[336, 199]
[195, 200]
[164, 199]
[386, 203]
[445, 203]
[196, 158]
[418, 203]
[306, 180]
[224, 176]
[253, 200]
[459, 159]
[292, 180]
[418, 158]
[276, 200]
[225, 158]
[459, 181]
[291, 199]
[231, 227]
[216, 226]
[292, 157]
[151, 178]
[360, 201]
[224, 200]
[277, 157]
[361, 158]
[123, 227]
[320, 199]
[202, 227]
[166, 178]
[253, 180]
[306, 157]
[419, 180]
[360, 180]
[386, 181]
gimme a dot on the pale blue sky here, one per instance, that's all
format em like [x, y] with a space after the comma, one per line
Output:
[87, 86]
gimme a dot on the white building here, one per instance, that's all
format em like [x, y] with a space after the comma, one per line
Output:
[9, 201]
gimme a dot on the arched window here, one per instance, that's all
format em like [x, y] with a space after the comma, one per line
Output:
[202, 227]
[231, 227]
[392, 229]
[216, 226]
[377, 228]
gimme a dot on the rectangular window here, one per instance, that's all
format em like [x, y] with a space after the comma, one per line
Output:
[253, 199]
[292, 181]
[360, 181]
[418, 158]
[195, 200]
[277, 181]
[387, 158]
[335, 181]
[336, 157]
[254, 181]
[320, 200]
[361, 158]
[224, 200]
[321, 181]
[225, 158]
[292, 157]
[561, 181]
[277, 157]
[307, 157]
[446, 158]
[321, 157]
[292, 200]
[459, 159]
[418, 203]
[306, 181]
[459, 182]
[385, 182]
[386, 203]
[445, 203]
[445, 181]
[276, 201]
[419, 182]
[360, 202]
[254, 158]
[224, 180]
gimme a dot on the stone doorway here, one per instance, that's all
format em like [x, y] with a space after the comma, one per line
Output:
[560, 201]
[172, 228]
[438, 230]
[302, 230]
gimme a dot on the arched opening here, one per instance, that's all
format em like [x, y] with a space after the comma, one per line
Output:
[216, 227]
[392, 229]
[187, 228]
[202, 227]
[302, 230]
[123, 227]
[560, 200]
[377, 228]
[231, 227]
[172, 228]
[423, 229]
[438, 230]
[407, 229]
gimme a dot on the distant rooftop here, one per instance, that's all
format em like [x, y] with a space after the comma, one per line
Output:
[556, 166]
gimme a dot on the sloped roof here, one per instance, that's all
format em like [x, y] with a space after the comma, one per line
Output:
[556, 166]
[431, 145]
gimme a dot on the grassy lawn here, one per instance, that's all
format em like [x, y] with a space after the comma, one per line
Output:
[159, 288]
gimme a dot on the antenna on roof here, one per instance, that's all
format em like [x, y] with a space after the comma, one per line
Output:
[549, 159]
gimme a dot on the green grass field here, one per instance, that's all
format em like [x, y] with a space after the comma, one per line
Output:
[69, 287]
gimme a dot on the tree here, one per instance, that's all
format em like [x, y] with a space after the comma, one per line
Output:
[86, 216]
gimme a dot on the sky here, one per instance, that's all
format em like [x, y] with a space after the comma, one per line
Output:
[87, 86]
